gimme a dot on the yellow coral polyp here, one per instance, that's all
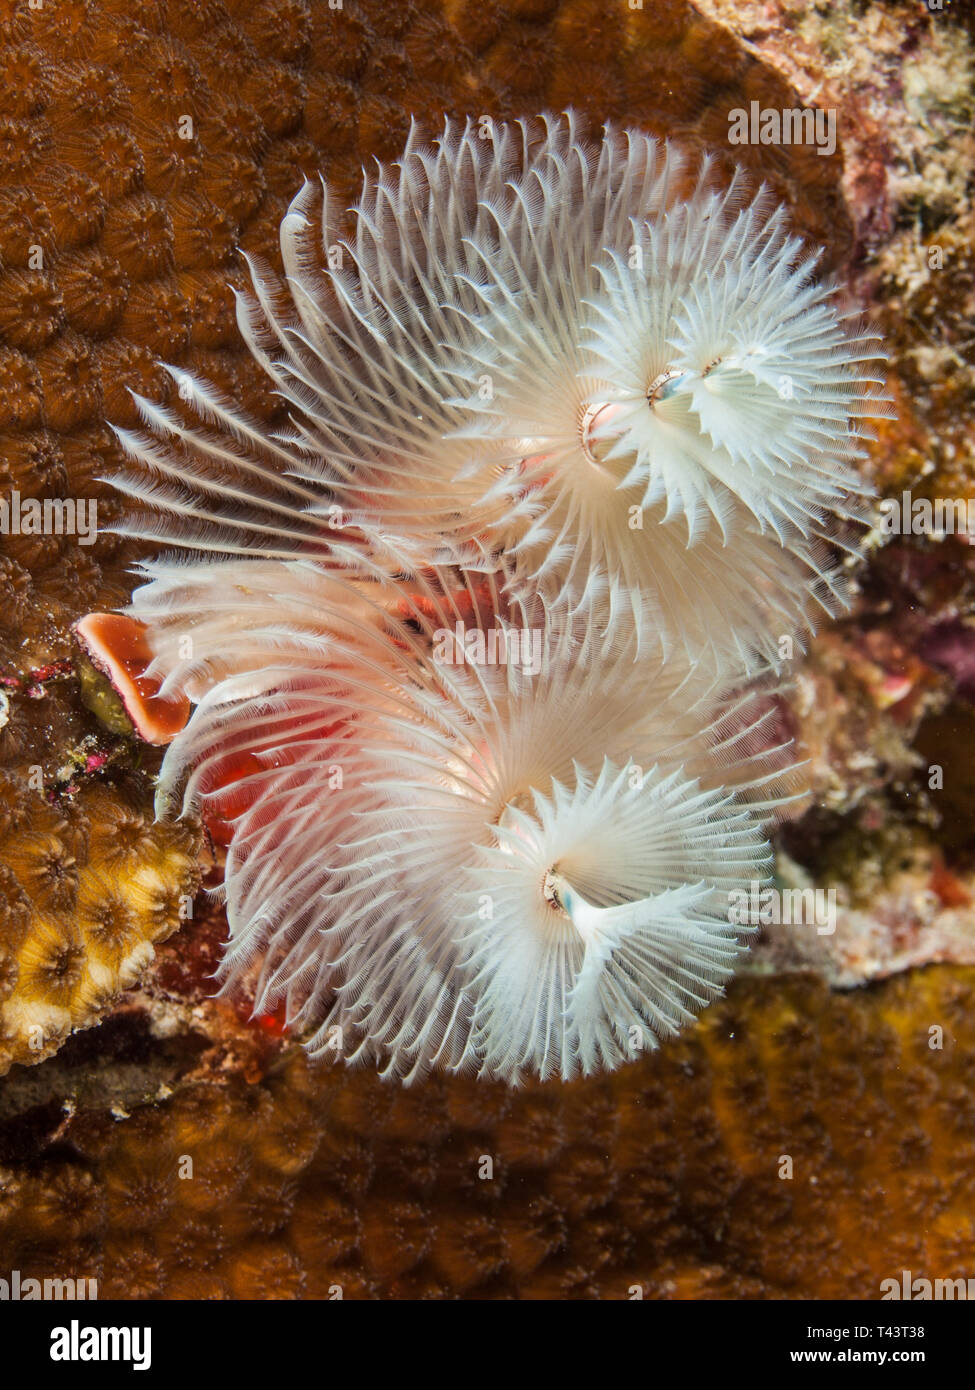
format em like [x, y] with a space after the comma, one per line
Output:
[54, 964]
[90, 887]
[109, 923]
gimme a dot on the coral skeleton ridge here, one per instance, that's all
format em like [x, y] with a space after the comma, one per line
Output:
[573, 391]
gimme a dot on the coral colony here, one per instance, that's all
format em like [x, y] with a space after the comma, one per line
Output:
[479, 649]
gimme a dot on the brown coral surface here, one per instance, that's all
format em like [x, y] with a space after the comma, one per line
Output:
[796, 1143]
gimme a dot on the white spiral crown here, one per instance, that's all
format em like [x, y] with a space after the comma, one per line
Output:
[569, 393]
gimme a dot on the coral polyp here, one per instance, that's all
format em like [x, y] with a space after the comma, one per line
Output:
[84, 898]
